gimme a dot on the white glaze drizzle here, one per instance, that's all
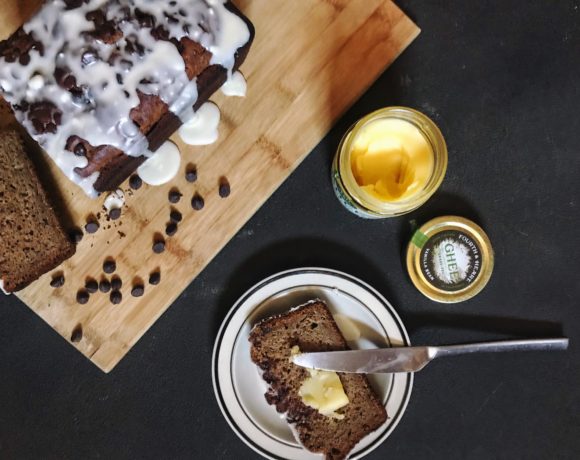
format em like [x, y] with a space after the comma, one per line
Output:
[202, 128]
[161, 167]
[102, 117]
[235, 85]
[114, 200]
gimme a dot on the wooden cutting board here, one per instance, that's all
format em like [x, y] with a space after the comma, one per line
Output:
[311, 60]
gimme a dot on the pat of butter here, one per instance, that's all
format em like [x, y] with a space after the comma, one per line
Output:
[391, 159]
[322, 391]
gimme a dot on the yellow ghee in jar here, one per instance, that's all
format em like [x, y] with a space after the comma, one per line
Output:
[391, 159]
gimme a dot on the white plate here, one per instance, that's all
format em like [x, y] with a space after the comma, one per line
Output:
[237, 383]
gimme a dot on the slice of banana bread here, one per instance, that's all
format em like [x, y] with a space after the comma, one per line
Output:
[32, 240]
[312, 328]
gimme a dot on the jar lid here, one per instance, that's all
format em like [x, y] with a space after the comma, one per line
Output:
[450, 259]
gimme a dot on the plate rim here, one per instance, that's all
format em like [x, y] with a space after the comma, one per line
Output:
[261, 284]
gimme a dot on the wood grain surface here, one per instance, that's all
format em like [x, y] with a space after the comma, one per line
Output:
[311, 60]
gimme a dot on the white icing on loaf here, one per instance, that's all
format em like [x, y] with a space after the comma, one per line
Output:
[107, 76]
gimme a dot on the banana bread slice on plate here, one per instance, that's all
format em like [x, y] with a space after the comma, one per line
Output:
[311, 328]
[32, 239]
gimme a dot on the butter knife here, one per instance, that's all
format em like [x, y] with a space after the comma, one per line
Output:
[412, 359]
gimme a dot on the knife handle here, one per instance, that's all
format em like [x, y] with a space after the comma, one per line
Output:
[505, 345]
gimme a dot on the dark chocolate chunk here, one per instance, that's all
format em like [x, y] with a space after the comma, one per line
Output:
[57, 281]
[174, 196]
[171, 229]
[116, 283]
[80, 150]
[191, 173]
[92, 226]
[44, 116]
[104, 286]
[119, 78]
[76, 235]
[82, 296]
[158, 246]
[109, 266]
[145, 20]
[116, 297]
[135, 182]
[77, 334]
[197, 202]
[115, 213]
[175, 216]
[91, 286]
[224, 188]
[138, 290]
[154, 278]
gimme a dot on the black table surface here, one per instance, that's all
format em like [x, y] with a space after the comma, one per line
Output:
[501, 79]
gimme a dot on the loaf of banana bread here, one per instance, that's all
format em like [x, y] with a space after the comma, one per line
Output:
[102, 84]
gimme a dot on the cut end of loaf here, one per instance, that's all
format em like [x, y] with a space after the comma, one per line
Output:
[312, 328]
[32, 240]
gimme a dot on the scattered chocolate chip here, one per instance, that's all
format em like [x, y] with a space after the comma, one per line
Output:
[104, 286]
[135, 182]
[197, 202]
[82, 297]
[224, 188]
[174, 196]
[116, 283]
[80, 150]
[92, 226]
[171, 229]
[115, 213]
[116, 297]
[191, 173]
[57, 281]
[91, 286]
[158, 246]
[76, 235]
[175, 216]
[109, 266]
[77, 334]
[154, 278]
[138, 290]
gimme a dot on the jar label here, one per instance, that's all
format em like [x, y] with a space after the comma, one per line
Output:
[450, 260]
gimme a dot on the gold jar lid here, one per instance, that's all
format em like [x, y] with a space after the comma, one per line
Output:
[450, 259]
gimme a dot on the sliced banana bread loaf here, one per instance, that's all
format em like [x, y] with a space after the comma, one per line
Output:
[312, 328]
[32, 240]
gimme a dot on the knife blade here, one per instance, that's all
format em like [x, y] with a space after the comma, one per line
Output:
[412, 359]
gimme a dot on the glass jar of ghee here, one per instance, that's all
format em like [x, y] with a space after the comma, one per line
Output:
[389, 163]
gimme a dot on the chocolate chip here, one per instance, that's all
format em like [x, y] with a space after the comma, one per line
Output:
[175, 216]
[76, 235]
[91, 286]
[109, 266]
[174, 196]
[24, 59]
[224, 188]
[119, 78]
[82, 296]
[116, 297]
[45, 117]
[80, 150]
[171, 229]
[57, 281]
[89, 57]
[104, 286]
[92, 226]
[158, 246]
[154, 278]
[77, 334]
[116, 283]
[135, 182]
[197, 202]
[115, 213]
[191, 174]
[138, 290]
